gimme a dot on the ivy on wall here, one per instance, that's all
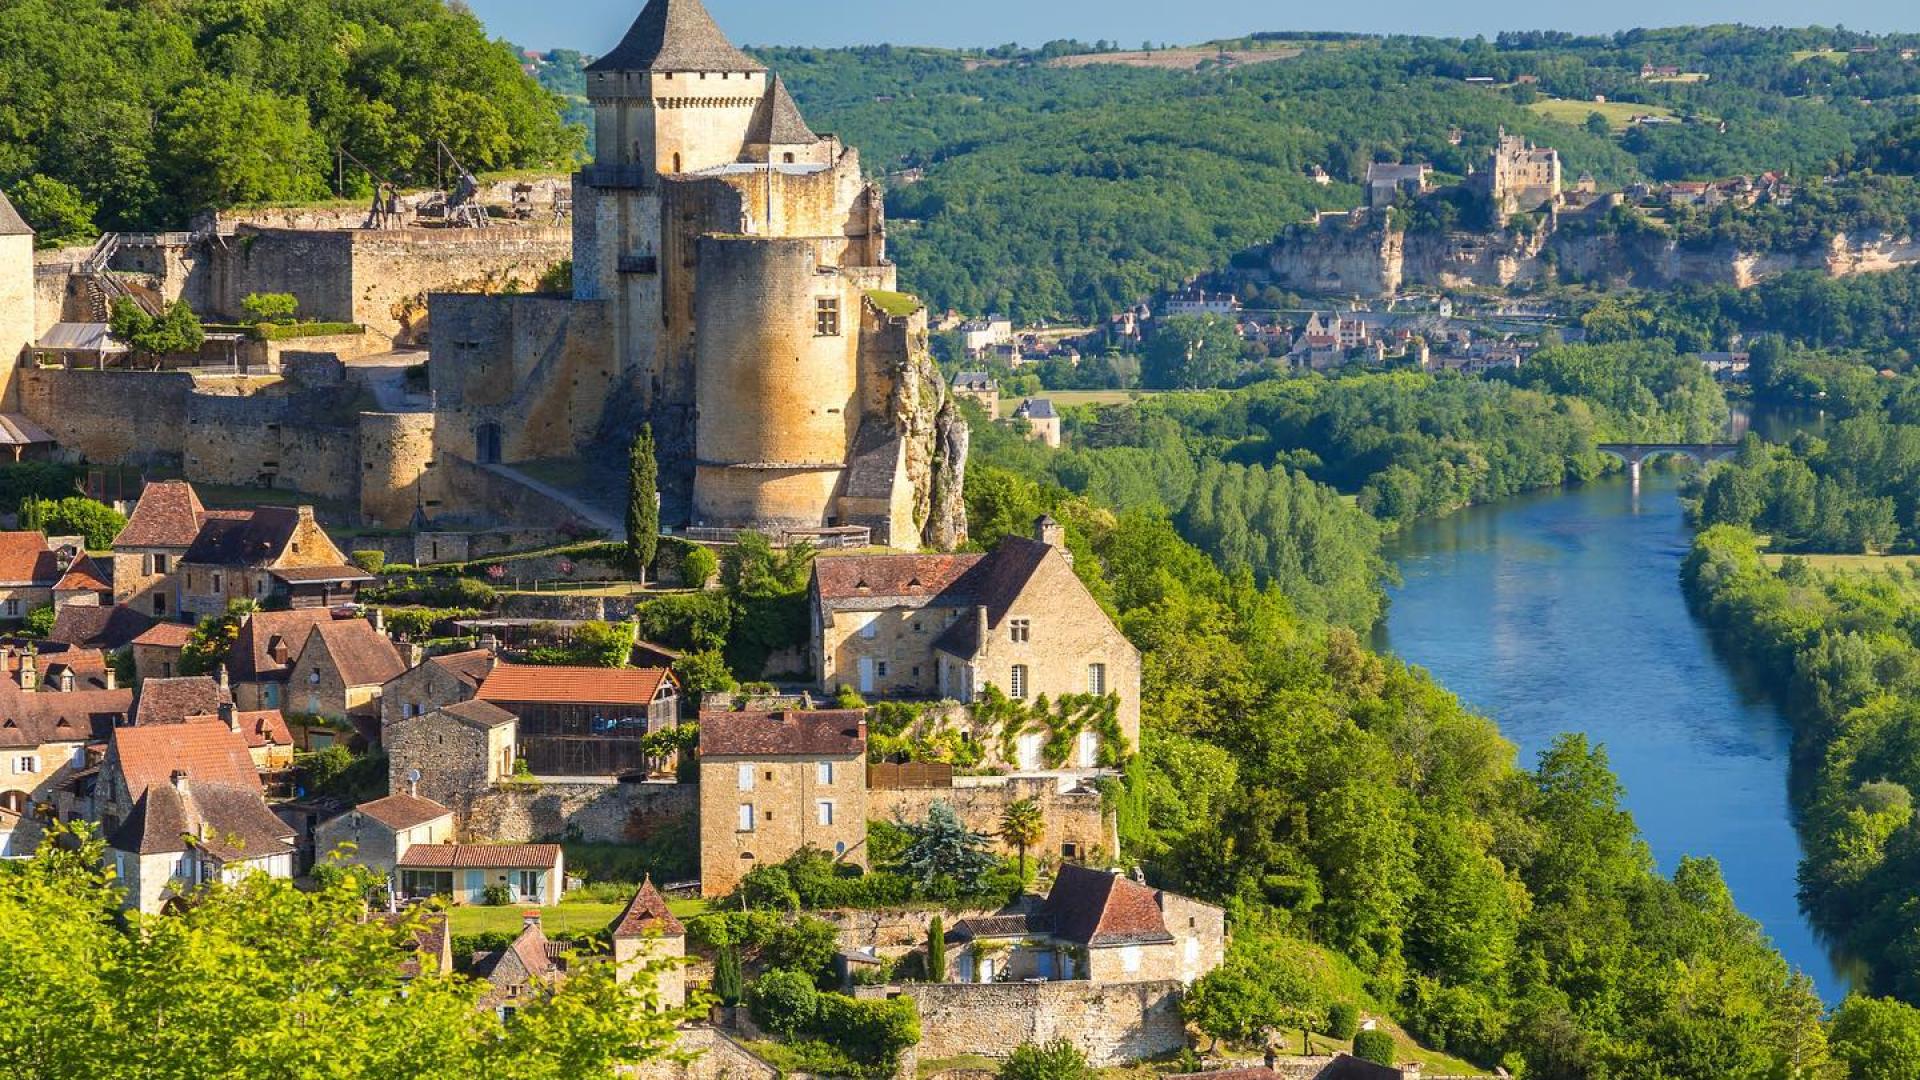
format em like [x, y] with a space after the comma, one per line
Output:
[1062, 719]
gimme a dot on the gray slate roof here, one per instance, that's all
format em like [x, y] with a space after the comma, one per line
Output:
[778, 120]
[675, 35]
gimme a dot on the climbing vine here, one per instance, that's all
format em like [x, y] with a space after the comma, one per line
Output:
[1063, 720]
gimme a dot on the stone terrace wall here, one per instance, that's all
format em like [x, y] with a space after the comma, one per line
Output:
[603, 813]
[892, 932]
[714, 1056]
[1071, 817]
[1113, 1024]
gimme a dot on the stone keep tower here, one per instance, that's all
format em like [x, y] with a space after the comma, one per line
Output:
[16, 299]
[742, 259]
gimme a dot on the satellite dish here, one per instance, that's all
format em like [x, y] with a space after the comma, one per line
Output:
[413, 776]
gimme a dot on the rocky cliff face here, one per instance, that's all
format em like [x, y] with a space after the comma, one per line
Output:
[936, 437]
[1377, 261]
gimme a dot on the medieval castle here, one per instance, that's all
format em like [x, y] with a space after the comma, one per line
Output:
[731, 288]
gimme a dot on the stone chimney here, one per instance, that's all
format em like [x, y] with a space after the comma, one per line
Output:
[66, 681]
[113, 677]
[230, 716]
[179, 779]
[1050, 532]
[530, 919]
[220, 676]
[379, 619]
[982, 624]
[29, 669]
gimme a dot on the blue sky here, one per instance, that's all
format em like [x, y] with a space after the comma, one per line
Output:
[595, 25]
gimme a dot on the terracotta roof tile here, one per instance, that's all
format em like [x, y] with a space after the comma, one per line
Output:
[205, 751]
[403, 811]
[1096, 908]
[168, 515]
[251, 659]
[82, 716]
[480, 857]
[25, 559]
[527, 684]
[647, 914]
[84, 575]
[470, 667]
[171, 701]
[166, 635]
[363, 655]
[260, 728]
[105, 627]
[877, 579]
[249, 538]
[830, 733]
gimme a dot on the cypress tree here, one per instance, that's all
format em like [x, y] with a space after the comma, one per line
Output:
[937, 950]
[643, 502]
[726, 976]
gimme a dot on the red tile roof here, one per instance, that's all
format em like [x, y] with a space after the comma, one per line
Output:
[25, 559]
[647, 914]
[207, 752]
[171, 701]
[403, 811]
[166, 635]
[82, 716]
[470, 667]
[251, 657]
[1093, 907]
[831, 733]
[168, 515]
[260, 728]
[860, 577]
[83, 576]
[364, 656]
[526, 684]
[480, 857]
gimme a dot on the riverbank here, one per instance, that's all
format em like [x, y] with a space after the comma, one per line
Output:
[1557, 612]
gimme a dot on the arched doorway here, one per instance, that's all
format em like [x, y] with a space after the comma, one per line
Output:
[486, 442]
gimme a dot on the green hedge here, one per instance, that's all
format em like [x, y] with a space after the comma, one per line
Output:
[1375, 1046]
[296, 331]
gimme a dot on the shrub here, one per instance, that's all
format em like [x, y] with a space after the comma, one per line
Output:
[97, 523]
[804, 945]
[271, 307]
[1057, 1060]
[371, 561]
[705, 671]
[875, 1032]
[698, 567]
[784, 1002]
[1375, 1046]
[1343, 1020]
[497, 896]
[769, 887]
[39, 621]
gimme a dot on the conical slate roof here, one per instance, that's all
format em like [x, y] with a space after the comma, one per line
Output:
[675, 35]
[10, 223]
[778, 120]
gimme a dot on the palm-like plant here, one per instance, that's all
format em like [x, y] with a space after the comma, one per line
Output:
[1023, 825]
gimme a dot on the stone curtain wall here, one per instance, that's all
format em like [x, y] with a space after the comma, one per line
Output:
[1112, 1025]
[525, 813]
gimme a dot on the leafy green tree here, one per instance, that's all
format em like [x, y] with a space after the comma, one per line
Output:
[213, 638]
[727, 986]
[39, 622]
[942, 848]
[96, 522]
[1375, 1046]
[704, 672]
[177, 331]
[1877, 1039]
[784, 1002]
[59, 214]
[271, 307]
[1057, 1060]
[1023, 825]
[698, 567]
[643, 502]
[1192, 352]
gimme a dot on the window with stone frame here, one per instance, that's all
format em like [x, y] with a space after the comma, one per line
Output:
[1021, 630]
[745, 824]
[826, 316]
[1017, 683]
[1096, 679]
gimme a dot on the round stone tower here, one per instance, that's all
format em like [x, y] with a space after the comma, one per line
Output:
[778, 377]
[17, 326]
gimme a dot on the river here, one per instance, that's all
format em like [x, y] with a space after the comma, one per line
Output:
[1562, 612]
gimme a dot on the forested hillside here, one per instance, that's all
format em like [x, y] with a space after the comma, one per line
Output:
[123, 115]
[1071, 191]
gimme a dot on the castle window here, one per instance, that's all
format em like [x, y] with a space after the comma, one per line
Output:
[826, 317]
[1021, 630]
[676, 163]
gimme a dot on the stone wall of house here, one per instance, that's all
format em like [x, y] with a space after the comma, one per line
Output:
[710, 1055]
[784, 794]
[610, 813]
[1078, 826]
[1111, 1024]
[891, 931]
[18, 306]
[457, 762]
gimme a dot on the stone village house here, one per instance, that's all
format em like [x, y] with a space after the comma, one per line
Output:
[451, 755]
[948, 626]
[577, 721]
[376, 834]
[338, 677]
[774, 783]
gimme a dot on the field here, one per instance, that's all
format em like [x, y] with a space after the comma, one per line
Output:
[1834, 56]
[1619, 114]
[566, 917]
[1852, 564]
[1176, 59]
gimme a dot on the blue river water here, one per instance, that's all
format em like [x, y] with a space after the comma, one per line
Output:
[1562, 612]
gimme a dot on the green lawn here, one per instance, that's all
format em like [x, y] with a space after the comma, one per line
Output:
[1063, 398]
[1851, 564]
[1619, 114]
[1831, 55]
[566, 917]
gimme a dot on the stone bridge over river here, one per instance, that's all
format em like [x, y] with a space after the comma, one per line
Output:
[1636, 453]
